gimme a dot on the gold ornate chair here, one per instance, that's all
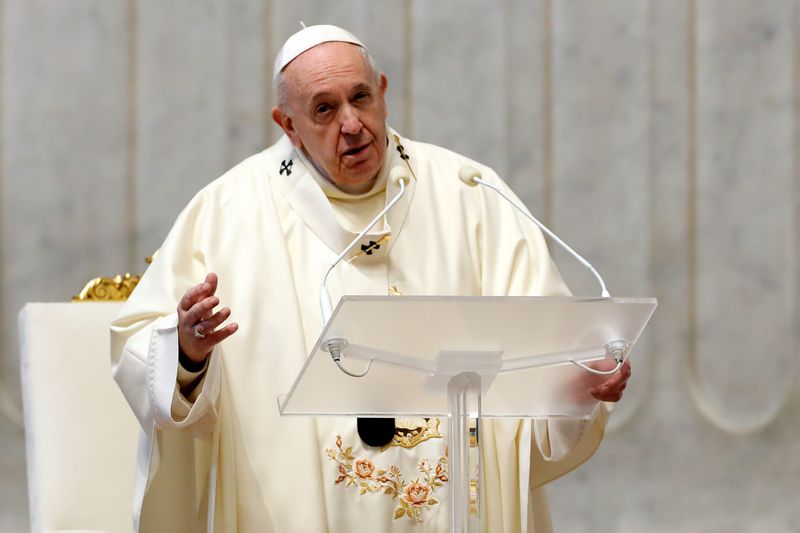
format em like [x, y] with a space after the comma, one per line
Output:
[80, 436]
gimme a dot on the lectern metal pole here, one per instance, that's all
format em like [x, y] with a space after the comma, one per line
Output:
[464, 399]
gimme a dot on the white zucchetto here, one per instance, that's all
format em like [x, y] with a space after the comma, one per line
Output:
[308, 38]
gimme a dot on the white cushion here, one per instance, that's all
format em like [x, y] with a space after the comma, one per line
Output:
[80, 435]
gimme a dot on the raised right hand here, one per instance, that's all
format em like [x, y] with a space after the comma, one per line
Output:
[197, 321]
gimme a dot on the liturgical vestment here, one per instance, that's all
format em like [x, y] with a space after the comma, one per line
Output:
[269, 228]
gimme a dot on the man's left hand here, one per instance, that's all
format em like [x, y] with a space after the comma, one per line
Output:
[611, 389]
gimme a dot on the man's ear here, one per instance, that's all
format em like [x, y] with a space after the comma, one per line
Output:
[384, 84]
[287, 125]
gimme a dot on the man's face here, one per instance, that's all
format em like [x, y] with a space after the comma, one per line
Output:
[335, 110]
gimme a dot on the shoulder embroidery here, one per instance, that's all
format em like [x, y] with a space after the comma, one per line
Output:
[403, 155]
[402, 151]
[370, 248]
[400, 148]
[286, 166]
[412, 498]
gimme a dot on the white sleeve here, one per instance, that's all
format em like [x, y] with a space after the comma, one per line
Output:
[556, 438]
[147, 373]
[144, 336]
[190, 382]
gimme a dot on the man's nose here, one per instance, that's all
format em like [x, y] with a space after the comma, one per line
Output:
[351, 123]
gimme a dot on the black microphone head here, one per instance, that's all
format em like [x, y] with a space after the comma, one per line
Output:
[467, 174]
[376, 432]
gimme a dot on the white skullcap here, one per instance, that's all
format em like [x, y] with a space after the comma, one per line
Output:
[308, 38]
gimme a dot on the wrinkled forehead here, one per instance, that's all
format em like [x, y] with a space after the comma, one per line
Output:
[308, 38]
[327, 69]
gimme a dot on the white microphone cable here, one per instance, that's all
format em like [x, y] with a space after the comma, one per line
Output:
[397, 175]
[472, 177]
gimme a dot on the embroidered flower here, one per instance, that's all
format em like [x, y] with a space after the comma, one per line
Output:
[364, 468]
[342, 476]
[417, 494]
[412, 498]
[441, 473]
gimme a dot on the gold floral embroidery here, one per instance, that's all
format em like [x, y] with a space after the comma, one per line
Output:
[413, 498]
[409, 432]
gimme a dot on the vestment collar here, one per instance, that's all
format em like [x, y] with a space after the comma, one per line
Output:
[291, 174]
[331, 191]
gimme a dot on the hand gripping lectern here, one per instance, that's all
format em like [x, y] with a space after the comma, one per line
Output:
[465, 357]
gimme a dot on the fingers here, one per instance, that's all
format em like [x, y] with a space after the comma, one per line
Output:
[221, 334]
[197, 321]
[210, 324]
[199, 291]
[608, 397]
[202, 310]
[194, 295]
[621, 377]
[211, 280]
[614, 381]
[611, 390]
[197, 347]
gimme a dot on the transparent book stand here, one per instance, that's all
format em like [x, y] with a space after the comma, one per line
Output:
[464, 357]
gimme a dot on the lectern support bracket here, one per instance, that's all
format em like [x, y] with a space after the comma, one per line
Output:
[463, 399]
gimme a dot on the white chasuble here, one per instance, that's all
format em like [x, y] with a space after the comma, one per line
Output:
[269, 231]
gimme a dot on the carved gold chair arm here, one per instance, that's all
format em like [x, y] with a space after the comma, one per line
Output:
[116, 289]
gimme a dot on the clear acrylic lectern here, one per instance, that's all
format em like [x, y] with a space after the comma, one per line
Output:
[464, 357]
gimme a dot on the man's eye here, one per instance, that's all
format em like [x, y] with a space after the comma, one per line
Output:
[360, 96]
[322, 109]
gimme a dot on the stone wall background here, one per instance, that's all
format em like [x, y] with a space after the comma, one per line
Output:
[660, 139]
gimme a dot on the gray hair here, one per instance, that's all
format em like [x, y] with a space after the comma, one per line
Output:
[279, 84]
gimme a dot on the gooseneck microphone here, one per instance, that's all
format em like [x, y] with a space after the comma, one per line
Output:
[376, 432]
[334, 344]
[398, 175]
[472, 177]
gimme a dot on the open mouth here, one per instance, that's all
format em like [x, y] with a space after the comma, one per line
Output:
[356, 151]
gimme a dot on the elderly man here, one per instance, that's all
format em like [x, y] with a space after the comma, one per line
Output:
[214, 452]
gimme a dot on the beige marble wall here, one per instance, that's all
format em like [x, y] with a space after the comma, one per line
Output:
[658, 138]
[721, 195]
[64, 149]
[744, 216]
